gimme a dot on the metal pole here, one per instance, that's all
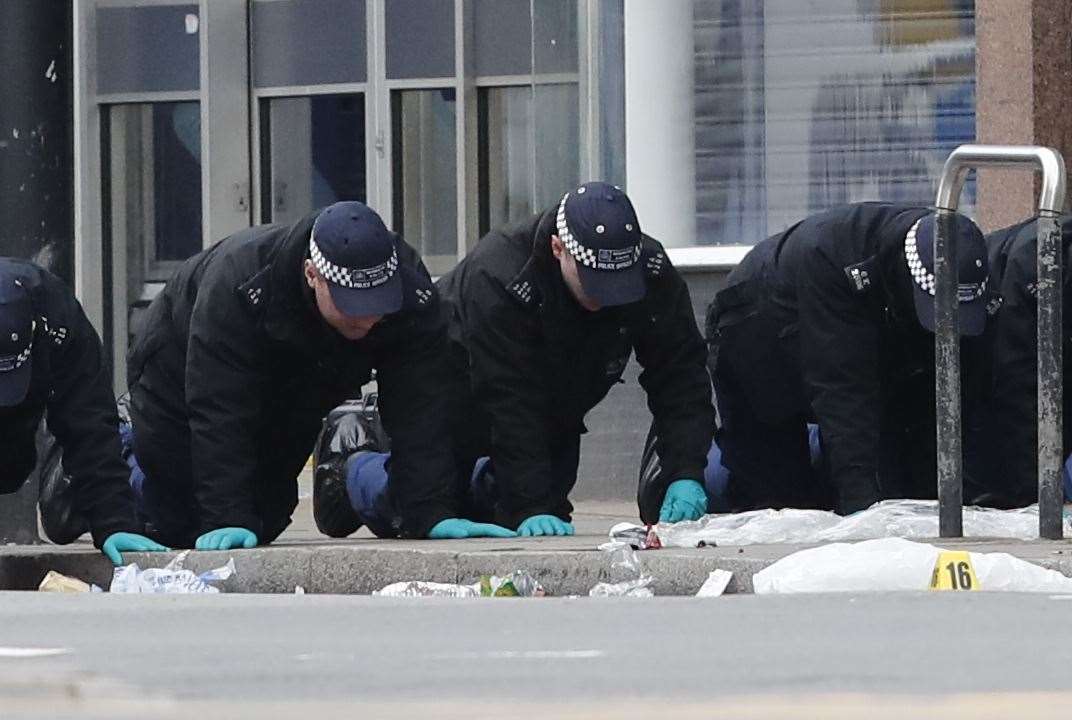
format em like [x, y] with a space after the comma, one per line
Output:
[947, 359]
[947, 378]
[1050, 378]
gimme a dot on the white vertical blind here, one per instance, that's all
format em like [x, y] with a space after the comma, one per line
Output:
[806, 104]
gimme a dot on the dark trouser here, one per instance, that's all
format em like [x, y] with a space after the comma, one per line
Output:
[368, 488]
[716, 478]
[764, 433]
[168, 516]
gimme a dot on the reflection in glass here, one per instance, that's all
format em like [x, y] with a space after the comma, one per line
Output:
[154, 177]
[526, 160]
[312, 154]
[557, 130]
[505, 133]
[425, 174]
[799, 109]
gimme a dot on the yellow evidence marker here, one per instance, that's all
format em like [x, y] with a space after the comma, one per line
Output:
[954, 571]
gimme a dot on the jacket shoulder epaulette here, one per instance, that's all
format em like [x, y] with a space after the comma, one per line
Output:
[653, 255]
[254, 291]
[522, 287]
[51, 312]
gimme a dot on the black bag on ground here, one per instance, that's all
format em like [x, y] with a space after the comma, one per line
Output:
[352, 427]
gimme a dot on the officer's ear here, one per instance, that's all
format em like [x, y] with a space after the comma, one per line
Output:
[310, 273]
[557, 248]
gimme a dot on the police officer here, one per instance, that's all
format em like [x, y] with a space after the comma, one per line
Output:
[1013, 413]
[249, 346]
[543, 317]
[51, 366]
[832, 322]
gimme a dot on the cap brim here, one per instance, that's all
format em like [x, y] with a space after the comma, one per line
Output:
[971, 316]
[613, 287]
[14, 385]
[380, 300]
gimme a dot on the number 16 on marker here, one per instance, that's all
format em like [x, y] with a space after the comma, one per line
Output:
[954, 571]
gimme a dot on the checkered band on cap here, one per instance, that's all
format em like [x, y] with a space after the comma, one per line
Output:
[14, 362]
[924, 279]
[599, 259]
[358, 278]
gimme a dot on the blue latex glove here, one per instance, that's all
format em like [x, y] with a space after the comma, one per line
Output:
[458, 529]
[226, 539]
[544, 525]
[685, 500]
[122, 542]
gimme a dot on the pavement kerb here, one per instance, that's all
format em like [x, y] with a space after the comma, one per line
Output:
[360, 567]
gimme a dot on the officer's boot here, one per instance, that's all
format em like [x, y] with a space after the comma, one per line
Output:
[56, 498]
[351, 428]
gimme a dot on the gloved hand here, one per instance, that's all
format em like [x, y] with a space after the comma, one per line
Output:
[544, 525]
[685, 500]
[122, 542]
[226, 539]
[458, 529]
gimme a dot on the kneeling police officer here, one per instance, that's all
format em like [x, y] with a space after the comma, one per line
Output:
[249, 346]
[831, 322]
[52, 367]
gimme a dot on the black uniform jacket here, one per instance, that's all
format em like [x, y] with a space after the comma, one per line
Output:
[235, 370]
[538, 362]
[836, 292]
[1013, 336]
[72, 386]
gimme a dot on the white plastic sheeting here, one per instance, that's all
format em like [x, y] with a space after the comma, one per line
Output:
[916, 519]
[895, 564]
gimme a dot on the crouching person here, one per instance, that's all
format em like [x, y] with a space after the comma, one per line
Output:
[252, 343]
[51, 367]
[1012, 420]
[831, 322]
[543, 316]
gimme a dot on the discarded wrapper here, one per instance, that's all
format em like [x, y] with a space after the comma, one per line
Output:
[56, 582]
[172, 579]
[420, 588]
[715, 584]
[516, 584]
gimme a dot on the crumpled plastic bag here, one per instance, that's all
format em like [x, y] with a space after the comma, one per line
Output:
[627, 577]
[895, 564]
[640, 587]
[640, 537]
[172, 579]
[517, 584]
[891, 518]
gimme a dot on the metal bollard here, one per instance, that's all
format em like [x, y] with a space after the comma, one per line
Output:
[947, 336]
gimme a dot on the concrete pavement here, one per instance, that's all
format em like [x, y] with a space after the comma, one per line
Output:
[361, 564]
[876, 656]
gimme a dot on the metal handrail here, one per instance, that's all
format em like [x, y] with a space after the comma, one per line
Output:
[947, 336]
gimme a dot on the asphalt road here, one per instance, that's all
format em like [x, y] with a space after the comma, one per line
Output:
[325, 656]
